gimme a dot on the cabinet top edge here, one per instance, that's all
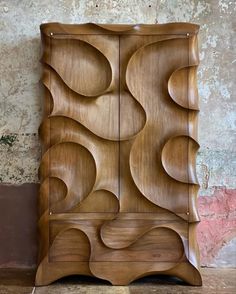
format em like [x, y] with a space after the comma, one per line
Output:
[178, 28]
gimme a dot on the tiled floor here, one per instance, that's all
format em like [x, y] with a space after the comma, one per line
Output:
[214, 281]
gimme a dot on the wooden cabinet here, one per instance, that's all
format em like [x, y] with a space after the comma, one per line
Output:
[119, 135]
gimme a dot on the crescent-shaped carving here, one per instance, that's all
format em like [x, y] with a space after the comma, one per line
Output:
[158, 179]
[55, 164]
[178, 159]
[136, 65]
[182, 87]
[107, 170]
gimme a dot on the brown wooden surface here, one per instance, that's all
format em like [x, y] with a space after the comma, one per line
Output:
[118, 180]
[21, 281]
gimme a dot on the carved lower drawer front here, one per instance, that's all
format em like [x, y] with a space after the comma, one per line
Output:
[118, 183]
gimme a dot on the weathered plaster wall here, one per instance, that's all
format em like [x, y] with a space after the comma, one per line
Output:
[20, 96]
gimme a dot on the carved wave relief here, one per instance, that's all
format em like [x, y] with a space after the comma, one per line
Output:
[118, 179]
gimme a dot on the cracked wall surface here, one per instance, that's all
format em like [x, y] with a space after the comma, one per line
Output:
[21, 96]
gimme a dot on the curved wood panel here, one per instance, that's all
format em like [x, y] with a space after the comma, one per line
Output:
[77, 170]
[137, 29]
[83, 63]
[98, 201]
[72, 105]
[118, 196]
[178, 159]
[185, 97]
[70, 245]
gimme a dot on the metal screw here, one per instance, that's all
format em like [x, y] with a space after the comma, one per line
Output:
[51, 34]
[187, 213]
[187, 34]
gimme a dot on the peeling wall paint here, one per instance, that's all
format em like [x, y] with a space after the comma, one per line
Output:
[21, 93]
[218, 228]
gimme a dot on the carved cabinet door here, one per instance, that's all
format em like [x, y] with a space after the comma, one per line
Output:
[119, 137]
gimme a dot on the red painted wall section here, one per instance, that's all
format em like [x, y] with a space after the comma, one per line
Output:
[218, 223]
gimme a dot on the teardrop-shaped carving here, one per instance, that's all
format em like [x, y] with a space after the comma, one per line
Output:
[85, 69]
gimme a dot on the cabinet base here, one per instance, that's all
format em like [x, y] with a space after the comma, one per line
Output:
[117, 273]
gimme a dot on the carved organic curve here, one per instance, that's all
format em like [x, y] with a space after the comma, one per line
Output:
[178, 159]
[55, 164]
[175, 28]
[81, 106]
[146, 155]
[76, 107]
[84, 62]
[186, 97]
[138, 60]
[146, 239]
[133, 233]
[127, 89]
[131, 126]
[54, 187]
[77, 133]
[137, 271]
[79, 249]
[105, 200]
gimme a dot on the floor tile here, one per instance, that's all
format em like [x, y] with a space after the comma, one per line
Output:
[215, 281]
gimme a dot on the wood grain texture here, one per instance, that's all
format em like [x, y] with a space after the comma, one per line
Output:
[119, 134]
